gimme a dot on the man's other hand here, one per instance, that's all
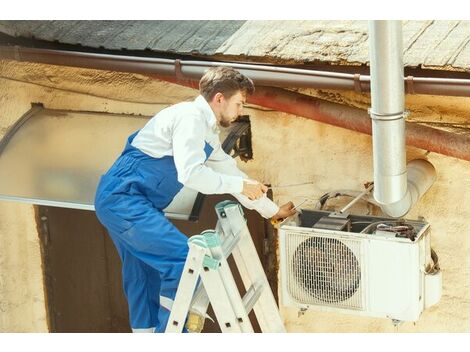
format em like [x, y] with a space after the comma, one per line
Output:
[285, 211]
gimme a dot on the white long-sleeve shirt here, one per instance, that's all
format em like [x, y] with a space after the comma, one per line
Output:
[181, 131]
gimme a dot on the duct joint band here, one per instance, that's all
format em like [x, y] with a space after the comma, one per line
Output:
[387, 117]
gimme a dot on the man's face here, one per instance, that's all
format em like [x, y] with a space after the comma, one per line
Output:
[231, 108]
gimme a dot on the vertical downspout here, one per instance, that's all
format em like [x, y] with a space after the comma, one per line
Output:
[396, 186]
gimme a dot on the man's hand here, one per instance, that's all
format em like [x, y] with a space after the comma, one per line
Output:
[285, 211]
[253, 189]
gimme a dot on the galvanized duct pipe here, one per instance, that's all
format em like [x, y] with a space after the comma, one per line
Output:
[394, 188]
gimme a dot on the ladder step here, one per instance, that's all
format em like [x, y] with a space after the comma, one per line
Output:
[229, 244]
[251, 297]
[206, 261]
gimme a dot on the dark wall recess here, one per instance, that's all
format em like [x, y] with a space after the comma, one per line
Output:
[82, 271]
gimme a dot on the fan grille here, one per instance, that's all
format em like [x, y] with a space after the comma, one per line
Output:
[323, 270]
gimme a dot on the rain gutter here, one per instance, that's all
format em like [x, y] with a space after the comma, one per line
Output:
[261, 74]
[187, 73]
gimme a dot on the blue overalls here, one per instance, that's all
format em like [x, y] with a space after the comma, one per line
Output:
[129, 203]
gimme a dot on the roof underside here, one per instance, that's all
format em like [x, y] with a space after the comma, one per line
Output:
[186, 37]
[442, 45]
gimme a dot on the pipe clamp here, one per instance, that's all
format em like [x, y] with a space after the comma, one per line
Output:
[387, 117]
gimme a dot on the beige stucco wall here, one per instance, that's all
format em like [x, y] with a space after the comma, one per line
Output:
[288, 150]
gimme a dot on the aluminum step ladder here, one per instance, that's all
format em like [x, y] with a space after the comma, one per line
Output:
[207, 260]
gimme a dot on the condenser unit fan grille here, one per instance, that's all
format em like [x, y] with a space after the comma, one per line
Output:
[323, 270]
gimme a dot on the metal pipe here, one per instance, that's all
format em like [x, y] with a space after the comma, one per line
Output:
[391, 182]
[424, 137]
[261, 74]
[387, 111]
[355, 119]
[434, 140]
[356, 199]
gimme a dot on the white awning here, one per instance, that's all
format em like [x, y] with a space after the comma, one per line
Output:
[56, 157]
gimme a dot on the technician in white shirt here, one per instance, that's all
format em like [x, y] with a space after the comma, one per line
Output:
[178, 147]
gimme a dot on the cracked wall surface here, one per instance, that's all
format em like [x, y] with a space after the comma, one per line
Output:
[299, 157]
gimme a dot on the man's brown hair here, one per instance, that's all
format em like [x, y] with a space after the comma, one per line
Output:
[224, 80]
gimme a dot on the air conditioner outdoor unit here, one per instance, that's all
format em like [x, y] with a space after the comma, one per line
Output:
[358, 264]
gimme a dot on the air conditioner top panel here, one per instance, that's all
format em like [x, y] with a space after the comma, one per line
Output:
[308, 218]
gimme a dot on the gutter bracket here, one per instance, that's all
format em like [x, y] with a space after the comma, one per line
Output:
[357, 83]
[410, 85]
[178, 72]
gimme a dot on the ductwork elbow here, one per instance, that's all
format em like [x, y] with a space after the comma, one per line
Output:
[421, 175]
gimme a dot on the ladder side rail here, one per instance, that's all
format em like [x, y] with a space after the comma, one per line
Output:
[217, 252]
[187, 285]
[250, 267]
[220, 300]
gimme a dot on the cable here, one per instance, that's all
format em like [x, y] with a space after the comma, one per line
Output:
[249, 106]
[344, 193]
[319, 203]
[291, 185]
[366, 229]
[435, 266]
[399, 227]
[401, 230]
[307, 200]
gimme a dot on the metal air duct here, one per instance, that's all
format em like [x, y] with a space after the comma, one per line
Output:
[397, 187]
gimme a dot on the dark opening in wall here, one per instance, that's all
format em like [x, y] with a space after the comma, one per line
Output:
[82, 270]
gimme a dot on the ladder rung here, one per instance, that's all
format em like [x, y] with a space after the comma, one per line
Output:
[229, 244]
[207, 261]
[251, 297]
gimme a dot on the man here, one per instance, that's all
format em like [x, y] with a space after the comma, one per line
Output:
[179, 146]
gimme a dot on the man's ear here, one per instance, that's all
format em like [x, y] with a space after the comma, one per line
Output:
[218, 98]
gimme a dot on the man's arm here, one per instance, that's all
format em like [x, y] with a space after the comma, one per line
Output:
[188, 153]
[222, 162]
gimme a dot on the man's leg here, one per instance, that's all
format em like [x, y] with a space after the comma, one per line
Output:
[150, 238]
[141, 285]
[158, 243]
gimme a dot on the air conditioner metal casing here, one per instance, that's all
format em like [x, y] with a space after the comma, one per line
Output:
[387, 277]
